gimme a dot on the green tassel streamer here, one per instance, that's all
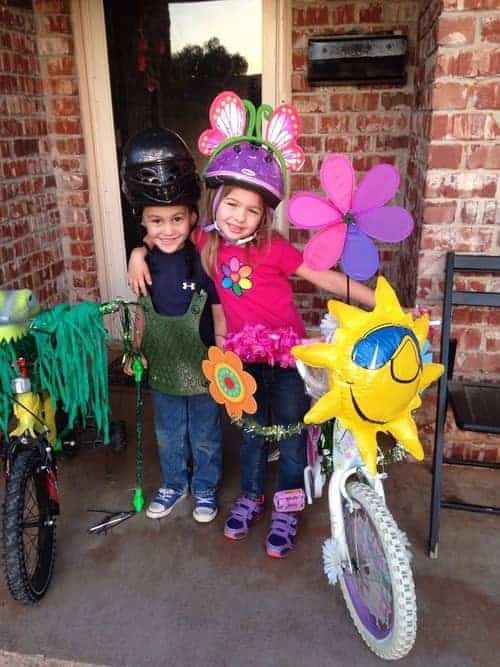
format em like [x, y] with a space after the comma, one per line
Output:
[138, 368]
[8, 371]
[72, 361]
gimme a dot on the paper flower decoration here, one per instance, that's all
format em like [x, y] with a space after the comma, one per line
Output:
[236, 276]
[230, 385]
[349, 217]
[375, 373]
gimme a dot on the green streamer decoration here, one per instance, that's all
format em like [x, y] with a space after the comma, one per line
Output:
[72, 361]
[131, 353]
[138, 368]
[8, 371]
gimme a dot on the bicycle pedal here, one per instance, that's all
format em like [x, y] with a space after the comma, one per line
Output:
[291, 500]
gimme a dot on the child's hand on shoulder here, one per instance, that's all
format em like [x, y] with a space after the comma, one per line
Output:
[138, 276]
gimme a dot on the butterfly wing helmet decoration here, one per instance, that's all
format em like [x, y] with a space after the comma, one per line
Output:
[282, 130]
[228, 119]
[252, 147]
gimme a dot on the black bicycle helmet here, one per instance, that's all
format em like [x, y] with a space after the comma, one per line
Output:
[157, 168]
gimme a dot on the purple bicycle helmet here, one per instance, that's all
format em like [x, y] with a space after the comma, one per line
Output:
[248, 164]
[243, 153]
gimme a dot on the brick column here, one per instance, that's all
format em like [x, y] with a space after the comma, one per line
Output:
[46, 240]
[457, 136]
[454, 167]
[31, 252]
[66, 146]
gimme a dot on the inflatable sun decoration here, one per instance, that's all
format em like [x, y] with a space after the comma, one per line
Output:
[375, 373]
[229, 385]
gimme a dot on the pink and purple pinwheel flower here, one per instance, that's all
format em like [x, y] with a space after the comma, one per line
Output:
[350, 218]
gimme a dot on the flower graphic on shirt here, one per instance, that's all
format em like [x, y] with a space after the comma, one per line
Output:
[229, 384]
[236, 276]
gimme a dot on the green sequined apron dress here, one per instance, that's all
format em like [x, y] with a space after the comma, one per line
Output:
[174, 349]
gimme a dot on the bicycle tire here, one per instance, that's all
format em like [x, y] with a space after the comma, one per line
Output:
[389, 633]
[27, 491]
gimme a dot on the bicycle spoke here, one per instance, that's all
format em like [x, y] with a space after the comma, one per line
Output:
[370, 569]
[33, 525]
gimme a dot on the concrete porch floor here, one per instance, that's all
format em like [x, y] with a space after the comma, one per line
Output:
[177, 593]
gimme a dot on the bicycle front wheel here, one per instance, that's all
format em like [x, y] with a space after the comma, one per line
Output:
[28, 529]
[379, 591]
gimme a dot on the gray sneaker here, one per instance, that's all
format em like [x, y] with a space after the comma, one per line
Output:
[163, 503]
[205, 509]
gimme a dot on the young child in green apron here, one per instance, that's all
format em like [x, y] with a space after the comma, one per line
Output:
[180, 318]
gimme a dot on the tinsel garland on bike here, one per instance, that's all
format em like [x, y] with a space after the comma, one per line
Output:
[274, 432]
[277, 432]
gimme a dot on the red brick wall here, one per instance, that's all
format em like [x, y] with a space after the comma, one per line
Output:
[457, 192]
[46, 240]
[459, 188]
[442, 130]
[369, 123]
[419, 143]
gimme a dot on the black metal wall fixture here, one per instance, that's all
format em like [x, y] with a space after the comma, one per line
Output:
[357, 59]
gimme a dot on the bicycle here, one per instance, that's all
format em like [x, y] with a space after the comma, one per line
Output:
[31, 503]
[367, 553]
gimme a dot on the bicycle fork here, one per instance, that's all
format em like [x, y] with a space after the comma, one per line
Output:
[30, 409]
[336, 555]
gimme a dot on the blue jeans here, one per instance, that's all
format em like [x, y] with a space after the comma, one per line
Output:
[281, 399]
[188, 427]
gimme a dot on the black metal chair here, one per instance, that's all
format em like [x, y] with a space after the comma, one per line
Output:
[476, 406]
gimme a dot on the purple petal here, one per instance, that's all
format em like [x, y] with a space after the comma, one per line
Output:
[378, 186]
[360, 257]
[389, 224]
[226, 270]
[337, 180]
[324, 249]
[308, 210]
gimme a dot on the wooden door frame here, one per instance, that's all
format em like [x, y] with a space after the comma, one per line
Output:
[99, 133]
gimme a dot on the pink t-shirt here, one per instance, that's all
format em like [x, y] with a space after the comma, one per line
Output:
[253, 284]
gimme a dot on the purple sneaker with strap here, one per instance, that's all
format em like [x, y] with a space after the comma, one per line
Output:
[243, 514]
[281, 536]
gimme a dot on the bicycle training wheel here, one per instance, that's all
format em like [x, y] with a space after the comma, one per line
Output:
[28, 529]
[379, 593]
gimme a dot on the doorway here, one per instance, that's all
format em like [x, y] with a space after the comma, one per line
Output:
[105, 92]
[180, 55]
